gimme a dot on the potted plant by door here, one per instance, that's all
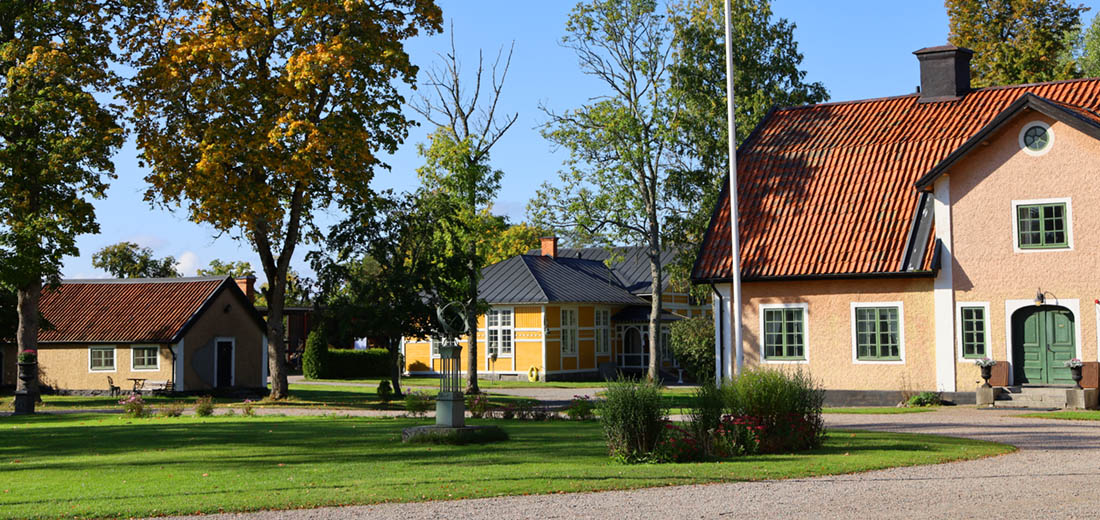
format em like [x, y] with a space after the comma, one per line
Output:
[1074, 366]
[986, 365]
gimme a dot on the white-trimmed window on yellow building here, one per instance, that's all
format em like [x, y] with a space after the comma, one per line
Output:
[603, 332]
[569, 332]
[499, 332]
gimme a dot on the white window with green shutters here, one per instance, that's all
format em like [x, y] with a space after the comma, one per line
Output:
[972, 330]
[144, 358]
[784, 332]
[1042, 225]
[878, 332]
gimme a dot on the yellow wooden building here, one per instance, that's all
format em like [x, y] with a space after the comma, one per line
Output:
[563, 314]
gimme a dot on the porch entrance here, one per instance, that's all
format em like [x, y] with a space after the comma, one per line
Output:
[635, 352]
[1043, 338]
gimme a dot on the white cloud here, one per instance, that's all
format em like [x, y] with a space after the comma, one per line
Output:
[188, 263]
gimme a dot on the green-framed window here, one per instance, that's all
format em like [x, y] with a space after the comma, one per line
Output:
[785, 333]
[1042, 226]
[101, 358]
[973, 332]
[878, 333]
[144, 358]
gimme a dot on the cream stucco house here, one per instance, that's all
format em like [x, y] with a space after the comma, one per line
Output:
[888, 243]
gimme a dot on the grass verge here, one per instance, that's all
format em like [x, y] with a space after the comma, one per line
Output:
[1067, 415]
[89, 465]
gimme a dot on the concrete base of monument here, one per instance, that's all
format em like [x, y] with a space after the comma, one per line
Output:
[450, 410]
[435, 434]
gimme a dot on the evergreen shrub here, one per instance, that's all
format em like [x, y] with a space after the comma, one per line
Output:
[633, 418]
[315, 358]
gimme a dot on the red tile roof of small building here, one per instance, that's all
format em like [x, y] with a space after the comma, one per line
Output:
[828, 189]
[130, 311]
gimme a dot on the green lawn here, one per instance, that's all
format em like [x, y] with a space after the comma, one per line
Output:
[1071, 415]
[883, 410]
[301, 396]
[482, 383]
[89, 465]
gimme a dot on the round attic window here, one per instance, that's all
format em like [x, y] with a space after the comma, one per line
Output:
[1036, 138]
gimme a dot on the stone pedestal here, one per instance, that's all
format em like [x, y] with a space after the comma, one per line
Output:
[25, 400]
[1082, 398]
[450, 410]
[986, 395]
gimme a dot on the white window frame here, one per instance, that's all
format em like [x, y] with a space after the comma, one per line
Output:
[433, 346]
[602, 331]
[133, 358]
[571, 330]
[114, 359]
[901, 333]
[511, 328]
[805, 333]
[959, 330]
[1016, 225]
[1050, 138]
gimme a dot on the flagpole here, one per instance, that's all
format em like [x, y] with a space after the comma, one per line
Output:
[732, 366]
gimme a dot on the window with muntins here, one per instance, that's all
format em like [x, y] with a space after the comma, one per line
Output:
[1042, 226]
[973, 332]
[784, 334]
[568, 332]
[499, 332]
[436, 342]
[102, 358]
[603, 331]
[145, 358]
[877, 334]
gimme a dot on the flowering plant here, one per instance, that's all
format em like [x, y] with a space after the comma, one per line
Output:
[581, 408]
[134, 406]
[28, 356]
[985, 362]
[1074, 363]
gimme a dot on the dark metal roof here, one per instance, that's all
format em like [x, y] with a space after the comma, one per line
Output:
[630, 265]
[640, 314]
[541, 279]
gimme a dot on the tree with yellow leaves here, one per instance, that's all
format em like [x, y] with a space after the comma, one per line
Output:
[253, 115]
[56, 143]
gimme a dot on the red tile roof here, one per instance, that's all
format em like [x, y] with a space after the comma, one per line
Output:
[140, 311]
[828, 189]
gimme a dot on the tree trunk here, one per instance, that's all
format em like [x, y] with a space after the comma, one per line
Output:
[471, 324]
[655, 300]
[276, 345]
[27, 332]
[394, 346]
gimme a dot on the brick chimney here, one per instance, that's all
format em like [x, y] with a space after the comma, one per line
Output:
[944, 73]
[247, 284]
[550, 246]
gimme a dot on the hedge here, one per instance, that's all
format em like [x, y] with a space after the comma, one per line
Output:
[357, 364]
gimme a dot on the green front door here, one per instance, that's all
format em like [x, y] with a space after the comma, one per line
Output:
[1042, 340]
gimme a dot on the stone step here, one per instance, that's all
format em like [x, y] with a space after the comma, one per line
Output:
[1033, 397]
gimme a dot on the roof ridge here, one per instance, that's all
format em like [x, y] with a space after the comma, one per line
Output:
[538, 281]
[120, 281]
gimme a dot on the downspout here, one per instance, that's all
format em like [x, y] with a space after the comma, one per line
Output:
[721, 334]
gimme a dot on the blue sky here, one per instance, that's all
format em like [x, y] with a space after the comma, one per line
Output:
[858, 49]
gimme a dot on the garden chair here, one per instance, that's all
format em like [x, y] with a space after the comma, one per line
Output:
[115, 390]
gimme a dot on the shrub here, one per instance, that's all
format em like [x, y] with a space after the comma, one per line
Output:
[581, 408]
[773, 412]
[478, 405]
[357, 364]
[315, 359]
[479, 435]
[134, 406]
[204, 406]
[692, 342]
[925, 399]
[385, 391]
[705, 415]
[172, 410]
[417, 403]
[633, 418]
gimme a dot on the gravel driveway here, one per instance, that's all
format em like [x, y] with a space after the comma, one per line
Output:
[1056, 473]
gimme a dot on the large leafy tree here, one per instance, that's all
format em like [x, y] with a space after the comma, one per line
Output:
[385, 271]
[1015, 41]
[457, 166]
[234, 268]
[767, 74]
[613, 187]
[252, 115]
[516, 239]
[56, 142]
[129, 260]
